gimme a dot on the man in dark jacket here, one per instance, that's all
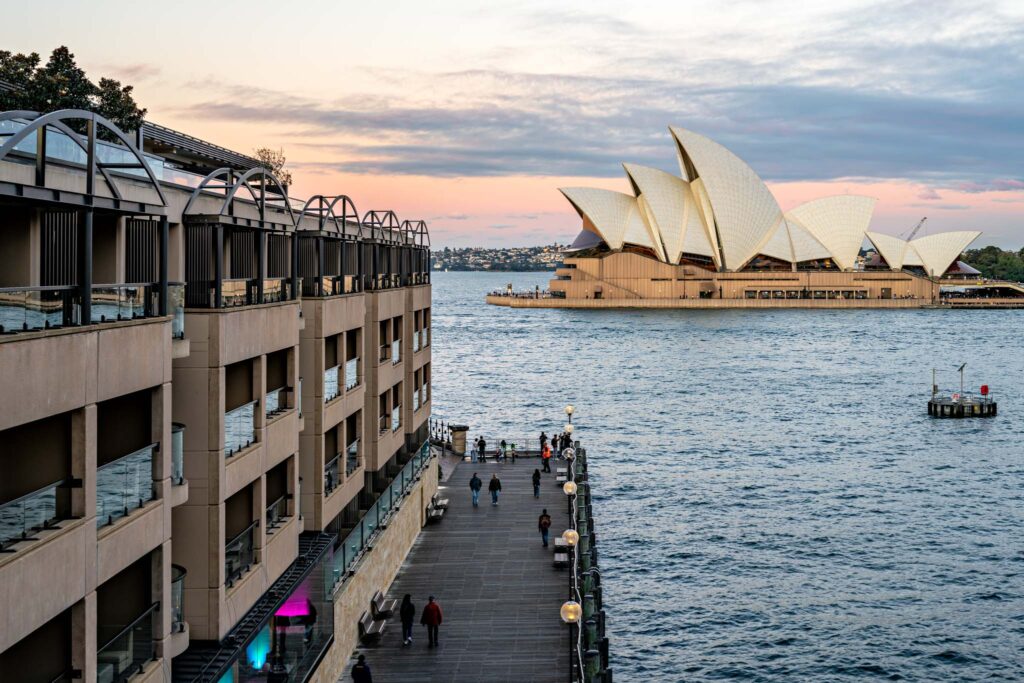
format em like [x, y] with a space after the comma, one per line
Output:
[361, 671]
[543, 440]
[536, 483]
[494, 487]
[431, 618]
[544, 524]
[475, 485]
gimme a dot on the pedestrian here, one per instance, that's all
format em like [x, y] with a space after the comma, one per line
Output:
[482, 446]
[504, 448]
[361, 671]
[536, 483]
[512, 448]
[545, 455]
[566, 441]
[475, 485]
[494, 487]
[431, 618]
[407, 612]
[544, 524]
[543, 440]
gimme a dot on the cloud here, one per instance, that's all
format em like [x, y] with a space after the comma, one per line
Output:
[451, 217]
[130, 74]
[501, 226]
[929, 193]
[942, 207]
[994, 185]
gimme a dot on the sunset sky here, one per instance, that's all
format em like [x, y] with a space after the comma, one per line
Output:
[471, 115]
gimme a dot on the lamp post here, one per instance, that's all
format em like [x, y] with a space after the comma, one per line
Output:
[571, 613]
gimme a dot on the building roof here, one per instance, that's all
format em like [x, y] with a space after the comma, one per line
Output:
[720, 208]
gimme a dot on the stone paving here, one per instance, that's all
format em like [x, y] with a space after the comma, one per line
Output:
[494, 581]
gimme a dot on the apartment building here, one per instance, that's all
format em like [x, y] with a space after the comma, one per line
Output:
[219, 405]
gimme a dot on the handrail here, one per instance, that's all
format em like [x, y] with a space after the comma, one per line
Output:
[149, 611]
[333, 460]
[154, 446]
[38, 288]
[67, 481]
[244, 531]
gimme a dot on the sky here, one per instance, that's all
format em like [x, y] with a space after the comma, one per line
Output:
[470, 115]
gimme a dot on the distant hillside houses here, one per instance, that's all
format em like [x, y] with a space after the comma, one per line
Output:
[503, 259]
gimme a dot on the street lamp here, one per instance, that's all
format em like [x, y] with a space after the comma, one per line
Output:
[568, 428]
[571, 537]
[571, 612]
[569, 488]
[569, 410]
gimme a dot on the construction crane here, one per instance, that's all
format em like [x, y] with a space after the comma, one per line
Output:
[916, 228]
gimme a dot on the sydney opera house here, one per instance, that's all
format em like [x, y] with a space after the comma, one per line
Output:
[714, 236]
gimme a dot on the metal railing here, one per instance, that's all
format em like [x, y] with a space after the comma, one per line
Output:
[177, 454]
[127, 649]
[363, 533]
[277, 512]
[332, 474]
[239, 428]
[352, 378]
[275, 401]
[177, 598]
[240, 554]
[22, 517]
[124, 485]
[332, 381]
[396, 351]
[352, 458]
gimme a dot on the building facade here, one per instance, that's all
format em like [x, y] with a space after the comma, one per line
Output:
[217, 403]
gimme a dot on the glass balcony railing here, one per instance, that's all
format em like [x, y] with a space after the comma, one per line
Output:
[24, 309]
[396, 352]
[177, 598]
[276, 289]
[239, 428]
[22, 518]
[127, 648]
[415, 401]
[352, 461]
[124, 485]
[356, 540]
[352, 378]
[383, 424]
[416, 341]
[332, 381]
[124, 302]
[177, 454]
[332, 474]
[277, 512]
[237, 292]
[385, 352]
[275, 401]
[176, 307]
[396, 418]
[240, 554]
[298, 400]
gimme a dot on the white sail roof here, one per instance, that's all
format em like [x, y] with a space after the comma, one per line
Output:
[695, 235]
[938, 251]
[613, 214]
[777, 244]
[892, 249]
[743, 209]
[806, 246]
[839, 223]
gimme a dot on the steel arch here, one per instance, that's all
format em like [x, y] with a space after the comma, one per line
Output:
[324, 212]
[231, 185]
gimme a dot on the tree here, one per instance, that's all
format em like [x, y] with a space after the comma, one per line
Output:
[997, 264]
[62, 84]
[274, 160]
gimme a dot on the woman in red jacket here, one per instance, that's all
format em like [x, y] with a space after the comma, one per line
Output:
[431, 618]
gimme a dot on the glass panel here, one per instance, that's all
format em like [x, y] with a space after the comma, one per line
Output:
[234, 293]
[127, 648]
[177, 598]
[122, 302]
[277, 512]
[332, 473]
[396, 351]
[275, 401]
[176, 307]
[415, 401]
[352, 458]
[39, 510]
[331, 381]
[351, 373]
[37, 308]
[370, 521]
[298, 398]
[396, 418]
[416, 341]
[239, 555]
[124, 485]
[177, 454]
[239, 428]
[275, 289]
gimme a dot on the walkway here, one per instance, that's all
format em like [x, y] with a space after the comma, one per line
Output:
[495, 584]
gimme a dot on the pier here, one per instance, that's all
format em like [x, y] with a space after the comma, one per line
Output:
[501, 595]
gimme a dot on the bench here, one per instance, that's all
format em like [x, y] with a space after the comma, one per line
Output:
[561, 479]
[563, 471]
[434, 514]
[381, 607]
[439, 502]
[370, 630]
[561, 560]
[561, 545]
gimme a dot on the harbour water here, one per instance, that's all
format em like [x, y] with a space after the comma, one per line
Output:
[774, 502]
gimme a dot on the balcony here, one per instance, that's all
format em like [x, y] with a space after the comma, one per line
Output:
[352, 458]
[425, 340]
[332, 383]
[177, 454]
[416, 341]
[177, 598]
[396, 418]
[23, 518]
[383, 424]
[124, 485]
[127, 648]
[334, 285]
[277, 512]
[239, 428]
[385, 352]
[240, 554]
[332, 474]
[352, 378]
[276, 401]
[415, 401]
[396, 352]
[23, 309]
[235, 292]
[176, 307]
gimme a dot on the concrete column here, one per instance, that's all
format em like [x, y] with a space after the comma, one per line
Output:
[83, 637]
[259, 504]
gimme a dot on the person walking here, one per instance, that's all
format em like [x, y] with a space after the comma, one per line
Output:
[431, 618]
[543, 440]
[361, 671]
[545, 455]
[494, 487]
[407, 612]
[474, 486]
[536, 483]
[544, 525]
[504, 450]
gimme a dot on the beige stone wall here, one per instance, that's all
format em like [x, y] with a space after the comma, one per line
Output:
[375, 572]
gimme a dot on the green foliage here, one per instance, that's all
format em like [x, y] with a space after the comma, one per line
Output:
[997, 264]
[62, 84]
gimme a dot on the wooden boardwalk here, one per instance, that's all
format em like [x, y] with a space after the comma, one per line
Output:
[494, 581]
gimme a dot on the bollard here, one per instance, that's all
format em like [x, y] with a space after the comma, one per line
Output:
[598, 596]
[588, 607]
[588, 583]
[603, 647]
[592, 665]
[591, 640]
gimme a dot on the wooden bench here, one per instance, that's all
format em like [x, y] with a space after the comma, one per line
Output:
[434, 514]
[439, 502]
[561, 545]
[561, 560]
[381, 607]
[370, 630]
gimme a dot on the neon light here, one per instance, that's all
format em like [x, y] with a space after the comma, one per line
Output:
[258, 649]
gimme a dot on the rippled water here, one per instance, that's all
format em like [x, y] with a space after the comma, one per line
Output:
[772, 501]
